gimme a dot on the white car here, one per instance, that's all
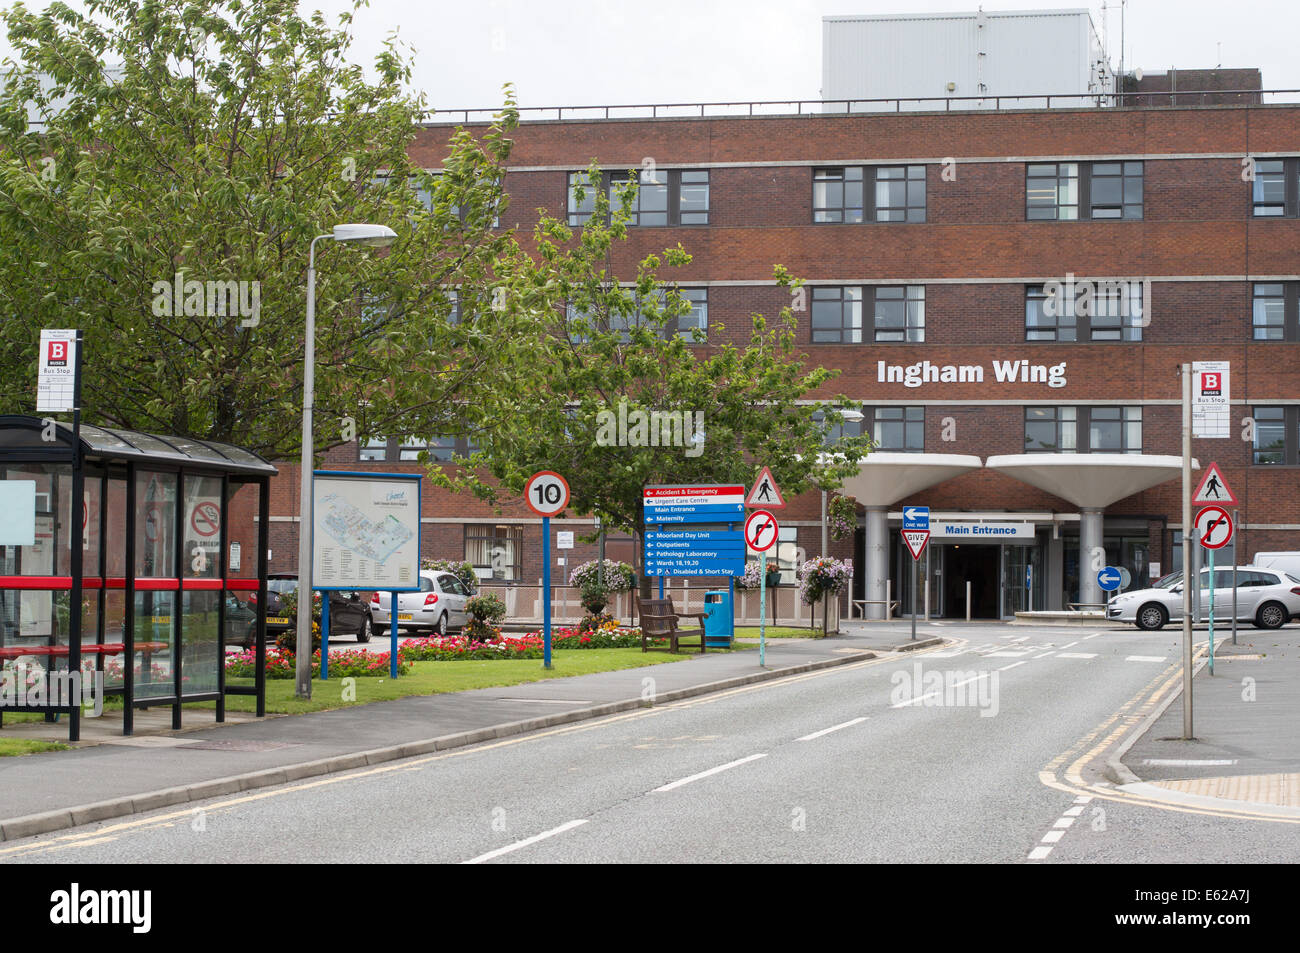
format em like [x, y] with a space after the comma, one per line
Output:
[1267, 598]
[439, 605]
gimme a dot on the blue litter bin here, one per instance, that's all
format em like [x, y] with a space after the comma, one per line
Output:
[719, 626]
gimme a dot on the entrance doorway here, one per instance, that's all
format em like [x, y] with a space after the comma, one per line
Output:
[979, 565]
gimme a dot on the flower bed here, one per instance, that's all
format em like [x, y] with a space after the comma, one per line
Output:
[350, 663]
[455, 647]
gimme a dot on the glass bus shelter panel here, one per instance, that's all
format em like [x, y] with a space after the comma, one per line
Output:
[241, 530]
[202, 648]
[51, 553]
[155, 524]
[155, 639]
[201, 530]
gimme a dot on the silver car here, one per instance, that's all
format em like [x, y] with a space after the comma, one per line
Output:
[1267, 598]
[439, 605]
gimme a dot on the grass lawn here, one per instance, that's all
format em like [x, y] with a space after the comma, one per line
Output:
[432, 678]
[778, 632]
[17, 746]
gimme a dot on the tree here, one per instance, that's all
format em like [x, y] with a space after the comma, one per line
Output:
[609, 361]
[165, 207]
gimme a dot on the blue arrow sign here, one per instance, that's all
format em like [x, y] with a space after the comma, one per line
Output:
[916, 517]
[1108, 578]
[708, 513]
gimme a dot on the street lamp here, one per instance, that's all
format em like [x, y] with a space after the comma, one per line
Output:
[849, 414]
[367, 236]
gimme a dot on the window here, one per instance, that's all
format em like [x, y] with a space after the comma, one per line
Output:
[897, 314]
[853, 194]
[1050, 429]
[697, 319]
[1115, 429]
[1115, 190]
[1102, 429]
[1275, 435]
[785, 556]
[1052, 191]
[495, 551]
[900, 193]
[1096, 311]
[898, 429]
[840, 427]
[900, 313]
[837, 195]
[1276, 188]
[1274, 313]
[381, 449]
[663, 197]
[410, 449]
[581, 206]
[837, 315]
[1066, 191]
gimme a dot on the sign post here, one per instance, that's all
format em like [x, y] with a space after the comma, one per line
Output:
[1214, 531]
[915, 540]
[1185, 371]
[761, 532]
[546, 493]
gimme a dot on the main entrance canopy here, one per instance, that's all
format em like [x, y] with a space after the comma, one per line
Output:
[160, 545]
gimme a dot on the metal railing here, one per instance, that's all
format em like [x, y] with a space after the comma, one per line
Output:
[1146, 99]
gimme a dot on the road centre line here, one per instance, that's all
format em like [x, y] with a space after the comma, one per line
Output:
[1077, 655]
[406, 764]
[704, 774]
[1012, 665]
[518, 845]
[827, 731]
[1070, 645]
[1044, 655]
[1145, 658]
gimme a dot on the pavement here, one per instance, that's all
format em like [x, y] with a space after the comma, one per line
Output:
[114, 776]
[1245, 747]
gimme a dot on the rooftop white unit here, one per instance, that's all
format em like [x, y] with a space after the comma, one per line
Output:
[981, 55]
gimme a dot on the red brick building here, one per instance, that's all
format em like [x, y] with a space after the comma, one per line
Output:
[930, 237]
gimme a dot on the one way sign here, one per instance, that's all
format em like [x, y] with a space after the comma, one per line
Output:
[916, 517]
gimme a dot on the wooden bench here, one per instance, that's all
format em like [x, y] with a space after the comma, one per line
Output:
[658, 620]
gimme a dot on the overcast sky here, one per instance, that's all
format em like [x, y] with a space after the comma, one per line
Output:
[576, 52]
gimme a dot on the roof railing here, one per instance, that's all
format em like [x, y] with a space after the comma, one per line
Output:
[1146, 99]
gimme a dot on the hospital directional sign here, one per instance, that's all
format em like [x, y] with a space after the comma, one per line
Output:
[694, 504]
[916, 517]
[695, 553]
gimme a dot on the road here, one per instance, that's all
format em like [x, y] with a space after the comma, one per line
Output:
[858, 763]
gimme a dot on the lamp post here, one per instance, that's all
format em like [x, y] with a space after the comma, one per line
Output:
[372, 236]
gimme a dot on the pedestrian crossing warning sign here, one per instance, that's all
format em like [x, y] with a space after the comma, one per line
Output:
[765, 492]
[1213, 488]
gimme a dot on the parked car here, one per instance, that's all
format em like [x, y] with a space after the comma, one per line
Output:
[349, 613]
[438, 606]
[1267, 598]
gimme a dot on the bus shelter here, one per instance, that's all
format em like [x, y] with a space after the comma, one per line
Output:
[128, 562]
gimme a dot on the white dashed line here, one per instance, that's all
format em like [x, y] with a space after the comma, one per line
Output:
[1038, 853]
[1051, 837]
[1188, 762]
[481, 858]
[1044, 655]
[827, 731]
[915, 701]
[1012, 665]
[1144, 658]
[1063, 822]
[704, 774]
[1070, 645]
[1005, 654]
[1077, 655]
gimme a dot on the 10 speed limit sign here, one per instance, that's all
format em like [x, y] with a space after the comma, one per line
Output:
[546, 493]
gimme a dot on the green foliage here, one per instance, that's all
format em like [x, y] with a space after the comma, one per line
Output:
[462, 570]
[487, 607]
[214, 141]
[594, 596]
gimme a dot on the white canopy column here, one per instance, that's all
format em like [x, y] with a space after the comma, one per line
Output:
[1091, 481]
[884, 479]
